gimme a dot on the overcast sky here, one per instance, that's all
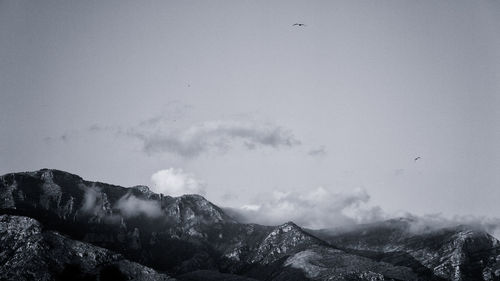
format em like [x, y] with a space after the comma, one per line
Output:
[228, 99]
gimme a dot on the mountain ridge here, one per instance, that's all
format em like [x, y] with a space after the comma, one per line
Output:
[188, 236]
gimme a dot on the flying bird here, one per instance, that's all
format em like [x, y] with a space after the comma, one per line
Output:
[417, 158]
[298, 24]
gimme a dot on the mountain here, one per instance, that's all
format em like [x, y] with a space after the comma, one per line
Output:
[28, 252]
[451, 253]
[281, 241]
[136, 222]
[57, 224]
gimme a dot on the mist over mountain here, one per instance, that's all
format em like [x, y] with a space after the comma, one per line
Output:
[56, 225]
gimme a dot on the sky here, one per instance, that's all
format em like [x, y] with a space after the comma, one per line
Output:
[228, 99]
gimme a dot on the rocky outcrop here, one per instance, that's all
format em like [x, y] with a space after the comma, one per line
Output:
[453, 253]
[282, 241]
[27, 252]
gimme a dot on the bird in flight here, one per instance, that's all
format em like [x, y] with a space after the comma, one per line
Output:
[417, 158]
[298, 24]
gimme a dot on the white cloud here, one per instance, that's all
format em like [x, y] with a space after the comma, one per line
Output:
[131, 206]
[159, 135]
[176, 182]
[431, 222]
[251, 207]
[319, 208]
[90, 200]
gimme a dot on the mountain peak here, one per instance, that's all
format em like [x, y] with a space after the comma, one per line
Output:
[288, 224]
[67, 195]
[143, 189]
[283, 240]
[46, 172]
[197, 209]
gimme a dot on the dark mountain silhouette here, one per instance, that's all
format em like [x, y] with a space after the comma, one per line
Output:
[57, 225]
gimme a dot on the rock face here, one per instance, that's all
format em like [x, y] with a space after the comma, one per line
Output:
[282, 241]
[142, 225]
[27, 252]
[56, 226]
[453, 253]
[326, 263]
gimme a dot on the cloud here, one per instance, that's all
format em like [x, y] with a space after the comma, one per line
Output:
[218, 136]
[131, 206]
[172, 111]
[176, 182]
[157, 136]
[95, 202]
[318, 151]
[431, 222]
[251, 207]
[322, 208]
[90, 200]
[319, 208]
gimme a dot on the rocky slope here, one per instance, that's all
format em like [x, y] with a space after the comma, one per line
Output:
[452, 253]
[133, 221]
[27, 252]
[134, 230]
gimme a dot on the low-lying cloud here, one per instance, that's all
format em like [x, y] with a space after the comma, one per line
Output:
[95, 202]
[132, 206]
[176, 182]
[317, 209]
[343, 211]
[432, 222]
